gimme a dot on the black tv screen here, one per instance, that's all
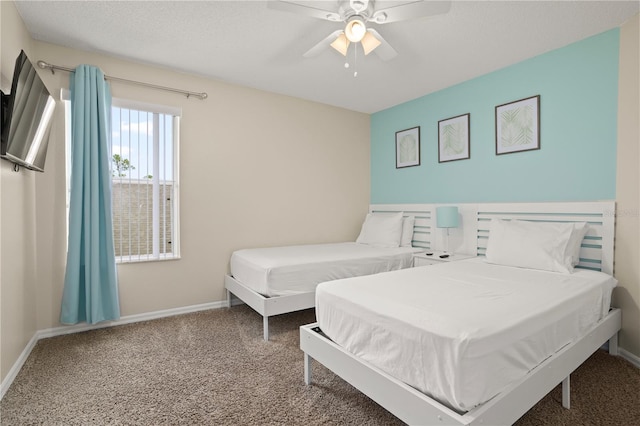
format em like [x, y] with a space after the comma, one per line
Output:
[26, 117]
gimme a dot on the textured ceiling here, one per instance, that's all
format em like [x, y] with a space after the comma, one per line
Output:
[247, 43]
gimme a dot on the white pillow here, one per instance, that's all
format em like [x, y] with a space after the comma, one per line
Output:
[407, 231]
[534, 245]
[381, 230]
[580, 229]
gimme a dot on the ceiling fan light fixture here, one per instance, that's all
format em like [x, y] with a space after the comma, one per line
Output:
[369, 43]
[355, 30]
[341, 44]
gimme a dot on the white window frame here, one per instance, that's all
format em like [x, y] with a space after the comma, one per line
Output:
[175, 225]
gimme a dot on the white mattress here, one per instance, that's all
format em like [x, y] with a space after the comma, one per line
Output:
[283, 271]
[461, 332]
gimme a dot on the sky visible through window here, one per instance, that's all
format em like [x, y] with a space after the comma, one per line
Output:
[133, 140]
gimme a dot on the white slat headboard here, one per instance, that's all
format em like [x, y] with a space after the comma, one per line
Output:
[424, 224]
[597, 247]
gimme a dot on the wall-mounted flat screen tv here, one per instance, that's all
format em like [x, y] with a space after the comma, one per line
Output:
[26, 117]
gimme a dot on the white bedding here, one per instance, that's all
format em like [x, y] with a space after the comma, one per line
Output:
[289, 270]
[461, 332]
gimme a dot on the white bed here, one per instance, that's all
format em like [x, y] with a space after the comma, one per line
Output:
[484, 325]
[470, 342]
[277, 280]
[292, 270]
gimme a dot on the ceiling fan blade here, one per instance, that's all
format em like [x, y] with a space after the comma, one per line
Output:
[413, 10]
[326, 42]
[384, 51]
[300, 9]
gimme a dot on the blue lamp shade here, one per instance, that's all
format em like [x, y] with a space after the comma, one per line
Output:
[447, 217]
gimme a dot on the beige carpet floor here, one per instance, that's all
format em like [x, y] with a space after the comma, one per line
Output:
[213, 368]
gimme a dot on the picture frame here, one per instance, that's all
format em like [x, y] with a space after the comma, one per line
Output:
[408, 147]
[454, 138]
[518, 126]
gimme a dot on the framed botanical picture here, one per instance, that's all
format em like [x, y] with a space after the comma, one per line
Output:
[408, 147]
[453, 138]
[518, 126]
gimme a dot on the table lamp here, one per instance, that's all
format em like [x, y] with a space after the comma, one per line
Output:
[447, 217]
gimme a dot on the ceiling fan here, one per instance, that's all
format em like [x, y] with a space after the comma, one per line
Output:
[356, 14]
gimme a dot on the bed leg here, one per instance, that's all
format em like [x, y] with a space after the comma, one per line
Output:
[265, 327]
[613, 345]
[566, 392]
[228, 299]
[307, 369]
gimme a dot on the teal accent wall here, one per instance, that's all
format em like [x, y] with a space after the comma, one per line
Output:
[578, 88]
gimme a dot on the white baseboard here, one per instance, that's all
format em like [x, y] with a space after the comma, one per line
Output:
[17, 366]
[59, 331]
[633, 359]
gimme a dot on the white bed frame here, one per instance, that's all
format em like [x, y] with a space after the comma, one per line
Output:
[414, 407]
[270, 306]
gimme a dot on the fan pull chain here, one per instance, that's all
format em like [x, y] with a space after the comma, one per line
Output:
[355, 60]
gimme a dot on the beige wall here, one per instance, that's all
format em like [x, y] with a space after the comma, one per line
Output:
[627, 256]
[257, 169]
[17, 219]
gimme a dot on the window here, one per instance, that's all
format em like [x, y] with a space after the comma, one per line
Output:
[144, 169]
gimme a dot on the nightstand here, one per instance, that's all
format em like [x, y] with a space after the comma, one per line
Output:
[422, 259]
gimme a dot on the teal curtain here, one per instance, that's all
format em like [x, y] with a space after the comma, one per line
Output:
[91, 283]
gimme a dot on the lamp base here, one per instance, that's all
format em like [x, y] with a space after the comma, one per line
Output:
[446, 246]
